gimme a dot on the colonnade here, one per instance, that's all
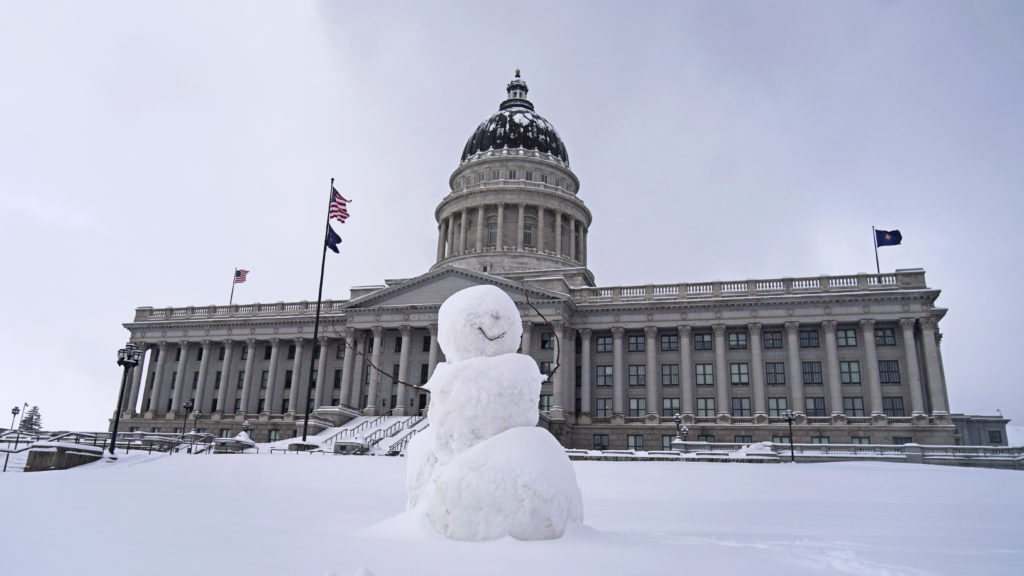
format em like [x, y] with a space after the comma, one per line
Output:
[465, 231]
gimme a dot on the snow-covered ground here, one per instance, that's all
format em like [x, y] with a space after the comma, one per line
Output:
[301, 514]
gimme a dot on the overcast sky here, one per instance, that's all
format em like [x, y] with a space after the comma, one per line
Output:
[147, 149]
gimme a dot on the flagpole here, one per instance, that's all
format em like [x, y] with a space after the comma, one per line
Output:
[316, 323]
[874, 240]
[233, 276]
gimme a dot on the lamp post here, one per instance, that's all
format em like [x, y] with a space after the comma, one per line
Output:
[789, 417]
[127, 358]
[245, 427]
[14, 414]
[195, 425]
[188, 405]
[685, 432]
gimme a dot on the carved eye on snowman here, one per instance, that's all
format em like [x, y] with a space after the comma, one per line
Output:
[474, 312]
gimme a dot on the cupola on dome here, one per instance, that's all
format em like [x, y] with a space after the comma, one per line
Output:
[516, 125]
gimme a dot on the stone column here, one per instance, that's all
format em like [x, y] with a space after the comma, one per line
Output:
[757, 371]
[500, 241]
[585, 368]
[686, 371]
[583, 246]
[463, 232]
[722, 380]
[402, 405]
[794, 374]
[435, 350]
[149, 392]
[527, 337]
[226, 382]
[450, 230]
[653, 374]
[441, 233]
[373, 394]
[273, 396]
[250, 360]
[133, 397]
[933, 368]
[347, 367]
[323, 382]
[204, 364]
[835, 387]
[296, 397]
[618, 376]
[913, 370]
[558, 380]
[558, 232]
[540, 228]
[521, 227]
[572, 238]
[359, 370]
[179, 380]
[871, 370]
[479, 228]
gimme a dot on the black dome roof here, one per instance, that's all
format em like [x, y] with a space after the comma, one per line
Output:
[516, 125]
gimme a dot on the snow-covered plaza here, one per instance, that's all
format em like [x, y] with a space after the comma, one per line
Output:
[319, 514]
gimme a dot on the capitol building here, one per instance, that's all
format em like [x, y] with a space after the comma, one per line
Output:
[857, 357]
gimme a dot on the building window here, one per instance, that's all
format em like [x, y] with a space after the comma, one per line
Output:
[669, 406]
[216, 381]
[479, 176]
[885, 337]
[819, 439]
[195, 380]
[291, 351]
[546, 368]
[261, 405]
[424, 369]
[709, 438]
[544, 178]
[340, 353]
[273, 435]
[893, 406]
[263, 379]
[742, 439]
[809, 338]
[604, 408]
[777, 407]
[812, 372]
[604, 375]
[737, 341]
[995, 437]
[635, 343]
[775, 373]
[739, 373]
[600, 441]
[666, 442]
[466, 181]
[702, 341]
[849, 372]
[901, 440]
[780, 440]
[287, 378]
[604, 343]
[860, 440]
[772, 339]
[245, 352]
[241, 380]
[558, 182]
[706, 407]
[670, 374]
[547, 341]
[177, 354]
[426, 344]
[267, 351]
[238, 404]
[528, 176]
[669, 342]
[492, 231]
[634, 442]
[528, 234]
[637, 407]
[741, 407]
[853, 406]
[220, 353]
[815, 406]
[545, 403]
[705, 374]
[637, 375]
[337, 379]
[225, 433]
[495, 174]
[889, 371]
[284, 406]
[846, 337]
[512, 175]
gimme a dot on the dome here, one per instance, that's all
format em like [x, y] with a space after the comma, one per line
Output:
[516, 125]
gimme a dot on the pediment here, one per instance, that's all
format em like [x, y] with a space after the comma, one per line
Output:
[433, 288]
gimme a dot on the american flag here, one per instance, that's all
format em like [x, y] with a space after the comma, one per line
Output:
[240, 276]
[339, 207]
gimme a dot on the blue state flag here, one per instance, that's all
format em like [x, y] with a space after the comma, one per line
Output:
[333, 239]
[888, 237]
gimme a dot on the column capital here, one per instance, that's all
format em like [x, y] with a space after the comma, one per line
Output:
[406, 330]
[618, 332]
[433, 330]
[324, 340]
[754, 328]
[829, 326]
[558, 326]
[527, 325]
[792, 327]
[718, 329]
[684, 330]
[928, 323]
[299, 339]
[206, 345]
[162, 345]
[585, 333]
[250, 341]
[651, 331]
[350, 334]
[907, 323]
[868, 324]
[227, 342]
[275, 341]
[377, 331]
[185, 343]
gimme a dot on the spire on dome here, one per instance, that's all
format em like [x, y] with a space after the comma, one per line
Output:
[517, 90]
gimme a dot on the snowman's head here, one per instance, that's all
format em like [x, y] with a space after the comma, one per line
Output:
[478, 321]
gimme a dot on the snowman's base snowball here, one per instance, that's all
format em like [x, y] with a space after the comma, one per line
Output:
[519, 483]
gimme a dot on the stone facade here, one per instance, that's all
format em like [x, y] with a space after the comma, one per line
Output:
[856, 357]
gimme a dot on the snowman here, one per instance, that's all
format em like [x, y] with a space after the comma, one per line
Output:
[483, 469]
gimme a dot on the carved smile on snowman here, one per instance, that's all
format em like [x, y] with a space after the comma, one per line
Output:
[491, 338]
